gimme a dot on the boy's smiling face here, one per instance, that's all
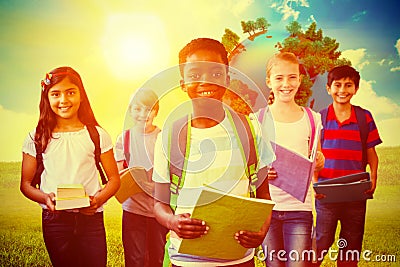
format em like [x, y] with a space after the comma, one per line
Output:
[205, 75]
[342, 90]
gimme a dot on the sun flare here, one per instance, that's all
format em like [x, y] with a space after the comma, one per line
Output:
[135, 45]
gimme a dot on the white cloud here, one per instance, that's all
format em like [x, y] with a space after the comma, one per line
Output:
[384, 110]
[380, 63]
[356, 56]
[312, 19]
[16, 126]
[397, 46]
[380, 106]
[388, 131]
[287, 9]
[395, 69]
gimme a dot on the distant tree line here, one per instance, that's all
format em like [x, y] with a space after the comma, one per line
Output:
[251, 26]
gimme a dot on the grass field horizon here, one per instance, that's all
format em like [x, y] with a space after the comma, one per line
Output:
[21, 242]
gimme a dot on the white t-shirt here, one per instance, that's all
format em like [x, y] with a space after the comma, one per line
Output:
[69, 159]
[294, 136]
[141, 153]
[215, 159]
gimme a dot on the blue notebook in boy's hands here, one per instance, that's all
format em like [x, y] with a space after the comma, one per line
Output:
[344, 189]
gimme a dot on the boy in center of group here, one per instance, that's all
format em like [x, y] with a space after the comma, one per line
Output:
[204, 70]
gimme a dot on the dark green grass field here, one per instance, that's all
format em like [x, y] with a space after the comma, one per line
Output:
[21, 242]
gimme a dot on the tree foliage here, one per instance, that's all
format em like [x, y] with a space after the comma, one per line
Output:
[230, 40]
[262, 23]
[240, 97]
[251, 26]
[316, 53]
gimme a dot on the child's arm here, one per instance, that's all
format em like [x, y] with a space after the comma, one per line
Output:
[27, 174]
[181, 224]
[373, 165]
[320, 159]
[120, 165]
[253, 239]
[112, 186]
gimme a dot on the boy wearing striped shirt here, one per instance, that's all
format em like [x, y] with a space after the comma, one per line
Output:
[343, 148]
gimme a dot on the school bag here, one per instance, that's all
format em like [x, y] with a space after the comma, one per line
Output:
[362, 125]
[179, 146]
[126, 144]
[94, 136]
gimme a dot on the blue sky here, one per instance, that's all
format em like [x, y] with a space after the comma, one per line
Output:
[118, 45]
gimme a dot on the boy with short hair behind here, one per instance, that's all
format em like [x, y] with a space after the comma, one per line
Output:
[204, 70]
[343, 150]
[142, 236]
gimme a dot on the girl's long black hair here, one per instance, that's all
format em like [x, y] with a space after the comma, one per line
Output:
[47, 118]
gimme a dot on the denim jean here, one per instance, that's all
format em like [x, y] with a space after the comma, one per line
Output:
[249, 263]
[74, 239]
[143, 239]
[288, 237]
[352, 221]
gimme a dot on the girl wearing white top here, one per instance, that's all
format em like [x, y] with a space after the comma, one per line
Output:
[72, 237]
[290, 229]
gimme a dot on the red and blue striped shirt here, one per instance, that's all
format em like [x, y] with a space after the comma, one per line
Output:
[341, 144]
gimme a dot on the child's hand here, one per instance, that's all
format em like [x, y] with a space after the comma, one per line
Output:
[94, 205]
[320, 160]
[272, 173]
[91, 210]
[50, 201]
[250, 239]
[372, 189]
[186, 227]
[318, 196]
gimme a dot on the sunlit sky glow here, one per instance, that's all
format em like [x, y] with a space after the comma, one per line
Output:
[118, 45]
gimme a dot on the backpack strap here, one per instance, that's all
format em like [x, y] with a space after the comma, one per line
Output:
[95, 137]
[244, 133]
[126, 145]
[261, 114]
[363, 126]
[324, 115]
[179, 149]
[312, 126]
[39, 166]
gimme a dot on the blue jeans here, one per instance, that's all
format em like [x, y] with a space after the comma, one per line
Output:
[289, 235]
[352, 221]
[249, 263]
[143, 239]
[74, 239]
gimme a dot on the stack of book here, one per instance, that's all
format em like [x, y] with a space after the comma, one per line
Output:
[71, 196]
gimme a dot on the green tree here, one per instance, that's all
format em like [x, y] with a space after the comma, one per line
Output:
[316, 53]
[245, 27]
[251, 25]
[240, 97]
[262, 24]
[294, 28]
[230, 40]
